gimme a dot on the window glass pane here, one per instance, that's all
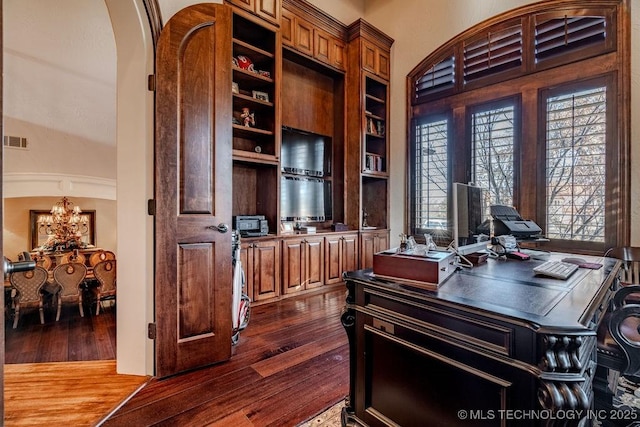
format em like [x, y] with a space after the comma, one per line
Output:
[576, 168]
[431, 183]
[492, 133]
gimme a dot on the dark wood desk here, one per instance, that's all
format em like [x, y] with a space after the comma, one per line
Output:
[492, 339]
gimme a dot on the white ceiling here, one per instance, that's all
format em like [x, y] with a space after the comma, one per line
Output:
[60, 67]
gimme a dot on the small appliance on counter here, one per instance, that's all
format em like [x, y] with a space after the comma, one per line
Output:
[251, 225]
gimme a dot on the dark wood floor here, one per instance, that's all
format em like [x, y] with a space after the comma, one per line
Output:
[72, 338]
[291, 363]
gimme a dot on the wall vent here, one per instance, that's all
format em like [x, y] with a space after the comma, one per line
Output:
[15, 141]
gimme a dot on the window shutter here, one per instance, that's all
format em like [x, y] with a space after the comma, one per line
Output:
[439, 77]
[559, 36]
[494, 53]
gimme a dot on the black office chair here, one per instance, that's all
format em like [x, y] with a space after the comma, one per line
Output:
[619, 331]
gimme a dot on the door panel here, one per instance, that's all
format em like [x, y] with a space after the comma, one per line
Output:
[193, 190]
[314, 262]
[266, 270]
[293, 265]
[333, 255]
[349, 253]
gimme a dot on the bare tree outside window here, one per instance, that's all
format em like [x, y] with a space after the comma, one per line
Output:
[493, 154]
[431, 165]
[576, 167]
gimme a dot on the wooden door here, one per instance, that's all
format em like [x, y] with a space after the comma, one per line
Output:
[193, 275]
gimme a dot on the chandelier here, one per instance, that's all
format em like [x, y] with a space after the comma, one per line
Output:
[65, 226]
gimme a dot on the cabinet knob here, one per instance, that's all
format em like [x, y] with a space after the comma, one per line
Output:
[222, 228]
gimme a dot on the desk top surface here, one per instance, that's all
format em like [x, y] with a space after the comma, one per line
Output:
[511, 288]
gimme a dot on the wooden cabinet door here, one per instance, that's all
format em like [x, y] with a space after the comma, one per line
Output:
[246, 259]
[375, 60]
[314, 248]
[328, 49]
[303, 36]
[302, 263]
[293, 265]
[367, 249]
[266, 270]
[341, 254]
[384, 65]
[193, 196]
[268, 10]
[382, 241]
[349, 253]
[369, 56]
[333, 254]
[287, 28]
[249, 5]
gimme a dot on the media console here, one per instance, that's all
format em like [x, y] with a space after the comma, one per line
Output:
[494, 345]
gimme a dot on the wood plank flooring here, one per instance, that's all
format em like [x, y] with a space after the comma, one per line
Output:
[64, 394]
[291, 363]
[72, 338]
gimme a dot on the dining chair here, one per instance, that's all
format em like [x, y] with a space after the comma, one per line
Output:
[70, 277]
[74, 256]
[28, 285]
[99, 256]
[105, 273]
[42, 260]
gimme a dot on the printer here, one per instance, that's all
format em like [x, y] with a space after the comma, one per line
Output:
[507, 220]
[251, 225]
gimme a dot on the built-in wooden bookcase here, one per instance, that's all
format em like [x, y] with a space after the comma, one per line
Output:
[375, 147]
[256, 66]
[367, 154]
[254, 90]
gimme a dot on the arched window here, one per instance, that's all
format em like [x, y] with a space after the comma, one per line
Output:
[530, 106]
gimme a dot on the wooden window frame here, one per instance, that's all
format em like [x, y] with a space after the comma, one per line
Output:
[609, 61]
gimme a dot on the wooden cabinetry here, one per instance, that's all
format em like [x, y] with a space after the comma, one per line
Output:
[311, 32]
[323, 73]
[265, 9]
[375, 59]
[370, 243]
[261, 261]
[367, 154]
[302, 263]
[341, 254]
[256, 67]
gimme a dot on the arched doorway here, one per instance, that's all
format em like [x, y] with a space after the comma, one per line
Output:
[134, 179]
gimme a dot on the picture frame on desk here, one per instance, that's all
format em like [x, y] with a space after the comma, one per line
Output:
[286, 227]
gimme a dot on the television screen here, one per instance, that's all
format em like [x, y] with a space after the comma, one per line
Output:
[305, 199]
[305, 153]
[305, 193]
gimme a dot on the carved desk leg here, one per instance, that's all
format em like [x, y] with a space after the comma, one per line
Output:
[348, 319]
